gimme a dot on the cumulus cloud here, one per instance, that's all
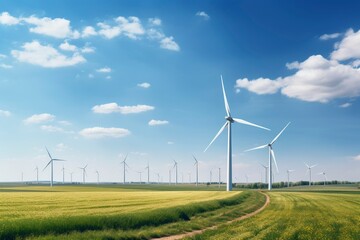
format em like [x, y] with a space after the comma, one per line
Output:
[4, 113]
[144, 85]
[104, 70]
[157, 122]
[115, 108]
[316, 79]
[203, 14]
[101, 132]
[130, 27]
[348, 47]
[169, 44]
[88, 49]
[51, 128]
[7, 19]
[39, 118]
[67, 47]
[155, 21]
[88, 31]
[329, 36]
[45, 56]
[345, 105]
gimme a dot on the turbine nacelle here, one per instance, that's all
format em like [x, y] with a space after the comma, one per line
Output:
[230, 119]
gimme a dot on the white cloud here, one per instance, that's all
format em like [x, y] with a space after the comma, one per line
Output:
[157, 122]
[45, 56]
[39, 118]
[88, 49]
[345, 105]
[356, 63]
[130, 27]
[7, 19]
[67, 47]
[108, 32]
[144, 85]
[203, 14]
[115, 108]
[61, 147]
[293, 65]
[169, 43]
[6, 66]
[357, 158]
[329, 36]
[155, 21]
[348, 47]
[57, 27]
[88, 32]
[104, 70]
[100, 132]
[51, 128]
[170, 142]
[64, 123]
[4, 113]
[317, 80]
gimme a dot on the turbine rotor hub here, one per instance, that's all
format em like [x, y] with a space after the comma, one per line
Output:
[230, 119]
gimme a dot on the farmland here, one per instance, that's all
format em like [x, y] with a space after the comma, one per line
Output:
[302, 213]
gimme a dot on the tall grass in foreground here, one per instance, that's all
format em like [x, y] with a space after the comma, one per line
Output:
[21, 228]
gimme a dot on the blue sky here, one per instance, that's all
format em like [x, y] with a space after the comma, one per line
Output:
[94, 82]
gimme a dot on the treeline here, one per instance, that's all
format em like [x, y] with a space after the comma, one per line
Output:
[291, 184]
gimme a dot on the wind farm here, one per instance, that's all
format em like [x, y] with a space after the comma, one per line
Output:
[179, 120]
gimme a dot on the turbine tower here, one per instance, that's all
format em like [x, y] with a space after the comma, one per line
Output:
[309, 171]
[124, 164]
[52, 166]
[271, 155]
[197, 170]
[63, 171]
[97, 173]
[176, 172]
[288, 175]
[148, 173]
[325, 180]
[84, 172]
[229, 121]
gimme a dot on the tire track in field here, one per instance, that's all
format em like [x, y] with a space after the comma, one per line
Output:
[196, 232]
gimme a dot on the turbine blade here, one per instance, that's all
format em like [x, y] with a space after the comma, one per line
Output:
[273, 157]
[48, 152]
[306, 165]
[220, 131]
[260, 147]
[277, 136]
[86, 166]
[56, 159]
[47, 165]
[238, 120]
[313, 166]
[227, 108]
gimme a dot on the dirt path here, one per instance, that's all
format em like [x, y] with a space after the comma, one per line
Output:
[190, 234]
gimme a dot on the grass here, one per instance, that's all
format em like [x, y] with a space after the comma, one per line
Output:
[306, 213]
[74, 212]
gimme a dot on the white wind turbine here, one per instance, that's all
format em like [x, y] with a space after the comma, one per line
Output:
[63, 171]
[52, 166]
[229, 121]
[197, 170]
[148, 173]
[176, 172]
[325, 180]
[124, 164]
[98, 176]
[288, 176]
[84, 172]
[309, 171]
[210, 176]
[271, 155]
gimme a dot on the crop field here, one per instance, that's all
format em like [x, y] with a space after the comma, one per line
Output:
[304, 213]
[93, 212]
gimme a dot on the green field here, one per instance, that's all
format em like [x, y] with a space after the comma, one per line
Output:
[300, 213]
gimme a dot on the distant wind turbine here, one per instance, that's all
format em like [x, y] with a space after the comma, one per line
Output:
[309, 171]
[324, 174]
[271, 155]
[97, 173]
[124, 164]
[84, 172]
[158, 175]
[140, 175]
[63, 171]
[148, 172]
[37, 174]
[288, 176]
[52, 166]
[71, 179]
[176, 172]
[229, 121]
[210, 176]
[266, 172]
[197, 170]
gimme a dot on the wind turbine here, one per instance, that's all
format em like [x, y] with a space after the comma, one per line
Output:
[37, 174]
[158, 175]
[266, 171]
[176, 172]
[229, 121]
[309, 170]
[323, 173]
[271, 155]
[63, 171]
[140, 176]
[97, 173]
[288, 175]
[84, 172]
[52, 166]
[148, 173]
[197, 170]
[210, 176]
[71, 174]
[125, 164]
